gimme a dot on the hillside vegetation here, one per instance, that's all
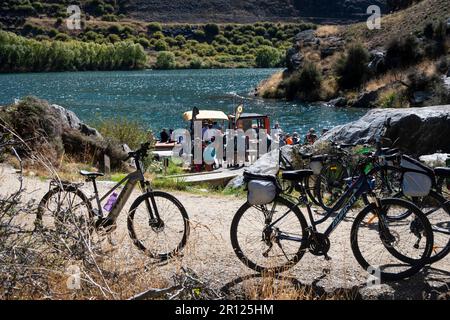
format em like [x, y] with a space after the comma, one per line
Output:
[203, 11]
[402, 64]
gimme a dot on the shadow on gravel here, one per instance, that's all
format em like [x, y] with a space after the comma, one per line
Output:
[257, 286]
[430, 283]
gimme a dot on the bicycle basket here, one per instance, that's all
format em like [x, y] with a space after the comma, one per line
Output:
[417, 179]
[261, 189]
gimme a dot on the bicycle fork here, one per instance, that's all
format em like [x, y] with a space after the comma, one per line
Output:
[154, 219]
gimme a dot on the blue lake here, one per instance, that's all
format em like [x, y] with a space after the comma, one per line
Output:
[159, 98]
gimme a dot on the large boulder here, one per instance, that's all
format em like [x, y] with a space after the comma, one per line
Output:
[69, 120]
[417, 131]
[53, 131]
[366, 100]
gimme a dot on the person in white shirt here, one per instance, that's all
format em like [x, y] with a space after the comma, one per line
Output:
[209, 133]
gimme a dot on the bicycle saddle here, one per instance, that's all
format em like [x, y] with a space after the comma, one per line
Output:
[442, 172]
[91, 174]
[296, 175]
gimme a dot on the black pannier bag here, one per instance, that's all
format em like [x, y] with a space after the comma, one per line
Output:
[261, 189]
[417, 179]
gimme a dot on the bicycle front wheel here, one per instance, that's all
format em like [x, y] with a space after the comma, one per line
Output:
[266, 248]
[161, 238]
[392, 249]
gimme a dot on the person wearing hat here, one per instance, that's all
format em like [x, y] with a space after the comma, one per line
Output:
[311, 136]
[295, 138]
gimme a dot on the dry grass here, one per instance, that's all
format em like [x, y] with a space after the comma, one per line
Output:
[270, 85]
[327, 31]
[400, 24]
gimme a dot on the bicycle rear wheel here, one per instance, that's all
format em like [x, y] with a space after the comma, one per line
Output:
[396, 248]
[161, 239]
[437, 209]
[260, 247]
[330, 184]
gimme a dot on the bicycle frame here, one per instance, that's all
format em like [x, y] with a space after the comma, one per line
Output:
[346, 201]
[130, 182]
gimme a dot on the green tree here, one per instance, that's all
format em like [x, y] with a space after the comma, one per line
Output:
[267, 57]
[165, 60]
[154, 27]
[211, 30]
[161, 45]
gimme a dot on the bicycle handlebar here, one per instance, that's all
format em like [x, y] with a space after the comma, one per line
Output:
[142, 152]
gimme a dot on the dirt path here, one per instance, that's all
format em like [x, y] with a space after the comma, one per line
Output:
[210, 254]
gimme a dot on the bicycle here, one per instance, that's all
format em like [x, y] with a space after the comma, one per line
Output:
[149, 214]
[275, 230]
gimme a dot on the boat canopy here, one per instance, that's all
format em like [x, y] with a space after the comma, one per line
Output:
[206, 115]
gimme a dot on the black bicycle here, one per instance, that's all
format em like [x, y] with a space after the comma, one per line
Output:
[274, 236]
[158, 223]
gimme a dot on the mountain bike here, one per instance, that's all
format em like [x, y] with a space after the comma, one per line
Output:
[273, 237]
[158, 224]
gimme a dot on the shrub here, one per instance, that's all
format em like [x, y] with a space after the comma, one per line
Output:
[144, 42]
[260, 31]
[196, 63]
[428, 31]
[267, 57]
[211, 30]
[199, 35]
[402, 52]
[180, 39]
[62, 37]
[161, 45]
[122, 130]
[165, 60]
[115, 28]
[158, 35]
[351, 69]
[110, 18]
[305, 84]
[154, 27]
[113, 38]
[59, 21]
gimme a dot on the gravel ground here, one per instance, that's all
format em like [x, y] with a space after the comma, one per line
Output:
[210, 254]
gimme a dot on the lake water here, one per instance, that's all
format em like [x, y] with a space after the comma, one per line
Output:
[159, 98]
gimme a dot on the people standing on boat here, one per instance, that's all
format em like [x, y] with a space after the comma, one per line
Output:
[289, 141]
[295, 138]
[311, 136]
[209, 133]
[164, 136]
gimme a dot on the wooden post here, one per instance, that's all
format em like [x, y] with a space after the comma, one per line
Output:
[107, 165]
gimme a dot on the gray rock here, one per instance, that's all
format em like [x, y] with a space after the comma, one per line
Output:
[294, 59]
[366, 100]
[328, 51]
[419, 97]
[377, 61]
[339, 102]
[69, 120]
[267, 164]
[417, 131]
[307, 38]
